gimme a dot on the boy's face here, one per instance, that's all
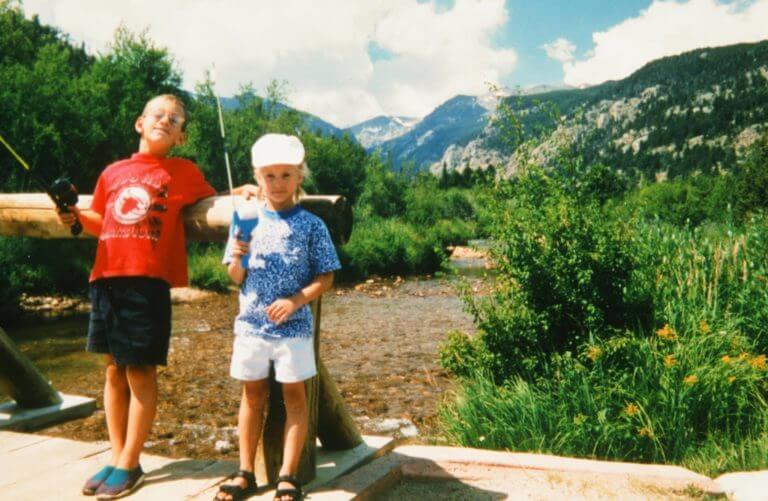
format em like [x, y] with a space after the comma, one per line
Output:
[279, 183]
[160, 126]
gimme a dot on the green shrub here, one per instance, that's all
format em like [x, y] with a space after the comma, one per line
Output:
[657, 398]
[205, 268]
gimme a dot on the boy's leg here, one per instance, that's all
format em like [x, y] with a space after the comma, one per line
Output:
[116, 402]
[296, 423]
[250, 421]
[142, 380]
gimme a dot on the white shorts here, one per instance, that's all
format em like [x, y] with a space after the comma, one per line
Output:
[294, 358]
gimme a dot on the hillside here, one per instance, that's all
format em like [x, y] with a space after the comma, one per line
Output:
[677, 115]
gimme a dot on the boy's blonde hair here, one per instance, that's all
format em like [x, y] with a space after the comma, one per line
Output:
[176, 100]
[305, 174]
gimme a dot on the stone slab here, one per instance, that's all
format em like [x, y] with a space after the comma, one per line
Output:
[745, 485]
[13, 417]
[409, 470]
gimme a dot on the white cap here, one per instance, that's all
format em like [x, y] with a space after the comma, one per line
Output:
[276, 149]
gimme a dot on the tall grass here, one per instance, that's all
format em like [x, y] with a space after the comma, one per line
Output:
[692, 389]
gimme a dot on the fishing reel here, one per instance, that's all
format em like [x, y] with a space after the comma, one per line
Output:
[64, 195]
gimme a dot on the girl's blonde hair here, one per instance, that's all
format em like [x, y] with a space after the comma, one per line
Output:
[305, 174]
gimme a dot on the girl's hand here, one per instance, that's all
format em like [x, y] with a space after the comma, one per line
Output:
[281, 310]
[240, 248]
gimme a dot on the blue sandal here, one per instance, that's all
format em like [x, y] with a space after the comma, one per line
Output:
[93, 483]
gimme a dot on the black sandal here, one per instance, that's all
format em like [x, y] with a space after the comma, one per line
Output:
[236, 492]
[295, 493]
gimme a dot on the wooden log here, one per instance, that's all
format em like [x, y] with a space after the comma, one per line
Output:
[336, 429]
[33, 215]
[20, 379]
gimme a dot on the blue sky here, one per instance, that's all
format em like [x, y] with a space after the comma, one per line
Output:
[350, 60]
[535, 23]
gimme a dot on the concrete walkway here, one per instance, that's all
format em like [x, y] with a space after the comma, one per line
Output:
[41, 467]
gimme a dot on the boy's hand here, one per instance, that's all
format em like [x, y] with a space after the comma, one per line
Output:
[68, 218]
[246, 190]
[281, 310]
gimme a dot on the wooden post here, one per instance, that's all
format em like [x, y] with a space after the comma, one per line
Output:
[22, 380]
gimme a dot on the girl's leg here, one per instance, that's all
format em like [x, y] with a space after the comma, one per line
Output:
[142, 380]
[116, 401]
[250, 421]
[296, 423]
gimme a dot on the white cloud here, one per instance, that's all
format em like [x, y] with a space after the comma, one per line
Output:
[318, 47]
[667, 28]
[560, 50]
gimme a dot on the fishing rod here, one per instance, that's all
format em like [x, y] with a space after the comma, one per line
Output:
[62, 192]
[212, 75]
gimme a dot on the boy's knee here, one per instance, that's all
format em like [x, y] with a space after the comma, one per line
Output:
[116, 376]
[141, 374]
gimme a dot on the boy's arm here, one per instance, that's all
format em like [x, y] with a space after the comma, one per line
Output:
[282, 309]
[91, 220]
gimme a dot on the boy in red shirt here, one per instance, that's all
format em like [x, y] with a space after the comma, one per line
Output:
[136, 215]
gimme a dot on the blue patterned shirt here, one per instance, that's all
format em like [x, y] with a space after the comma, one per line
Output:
[288, 249]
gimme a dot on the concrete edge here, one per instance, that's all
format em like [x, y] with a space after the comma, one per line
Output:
[14, 418]
[426, 463]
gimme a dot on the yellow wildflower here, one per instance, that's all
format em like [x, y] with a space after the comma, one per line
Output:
[594, 353]
[670, 361]
[726, 359]
[704, 327]
[743, 355]
[579, 419]
[631, 409]
[731, 379]
[691, 380]
[758, 362]
[667, 333]
[645, 432]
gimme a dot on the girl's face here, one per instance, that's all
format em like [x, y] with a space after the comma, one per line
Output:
[279, 183]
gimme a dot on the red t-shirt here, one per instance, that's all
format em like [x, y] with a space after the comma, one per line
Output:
[142, 234]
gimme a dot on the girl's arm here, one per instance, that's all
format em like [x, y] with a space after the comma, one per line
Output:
[235, 267]
[282, 309]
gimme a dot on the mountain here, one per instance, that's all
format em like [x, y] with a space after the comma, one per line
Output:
[678, 115]
[456, 121]
[377, 130]
[313, 123]
[448, 128]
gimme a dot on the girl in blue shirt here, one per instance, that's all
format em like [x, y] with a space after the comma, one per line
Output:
[283, 258]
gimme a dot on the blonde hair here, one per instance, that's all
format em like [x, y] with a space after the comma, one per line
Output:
[302, 168]
[176, 100]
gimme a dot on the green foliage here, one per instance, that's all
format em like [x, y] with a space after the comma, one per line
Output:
[632, 397]
[655, 351]
[751, 184]
[205, 268]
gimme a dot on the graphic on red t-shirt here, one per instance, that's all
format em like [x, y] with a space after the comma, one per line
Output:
[142, 232]
[131, 205]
